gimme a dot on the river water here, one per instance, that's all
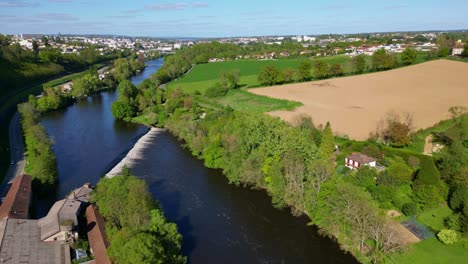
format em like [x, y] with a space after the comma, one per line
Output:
[220, 223]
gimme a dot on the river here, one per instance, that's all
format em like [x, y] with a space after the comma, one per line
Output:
[220, 223]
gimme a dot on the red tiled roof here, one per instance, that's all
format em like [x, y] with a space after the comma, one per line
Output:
[97, 235]
[361, 158]
[16, 203]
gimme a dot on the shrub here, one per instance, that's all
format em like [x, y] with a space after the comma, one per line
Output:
[410, 209]
[453, 222]
[216, 90]
[447, 236]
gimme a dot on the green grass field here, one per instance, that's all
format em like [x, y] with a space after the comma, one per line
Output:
[434, 218]
[203, 76]
[432, 251]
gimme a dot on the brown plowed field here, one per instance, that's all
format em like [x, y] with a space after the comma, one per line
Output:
[355, 104]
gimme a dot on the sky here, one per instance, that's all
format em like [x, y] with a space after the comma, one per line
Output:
[220, 18]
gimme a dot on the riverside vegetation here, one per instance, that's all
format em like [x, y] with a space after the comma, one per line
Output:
[297, 166]
[136, 226]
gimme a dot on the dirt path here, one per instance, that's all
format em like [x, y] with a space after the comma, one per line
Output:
[428, 146]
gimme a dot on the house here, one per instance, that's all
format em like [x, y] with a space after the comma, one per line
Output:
[16, 203]
[97, 235]
[61, 223]
[356, 160]
[458, 49]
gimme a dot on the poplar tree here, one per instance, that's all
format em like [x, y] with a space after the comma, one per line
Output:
[327, 147]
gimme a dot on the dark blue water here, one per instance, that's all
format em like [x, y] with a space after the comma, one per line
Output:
[220, 223]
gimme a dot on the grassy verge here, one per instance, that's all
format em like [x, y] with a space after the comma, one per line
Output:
[418, 139]
[433, 251]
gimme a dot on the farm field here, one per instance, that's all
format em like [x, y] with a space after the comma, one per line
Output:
[203, 76]
[355, 104]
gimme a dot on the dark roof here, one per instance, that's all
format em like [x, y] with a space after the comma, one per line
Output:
[16, 203]
[361, 158]
[97, 235]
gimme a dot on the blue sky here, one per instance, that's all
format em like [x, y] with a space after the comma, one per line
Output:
[220, 18]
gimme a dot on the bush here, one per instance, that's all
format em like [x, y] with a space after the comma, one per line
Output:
[216, 90]
[453, 222]
[410, 209]
[447, 236]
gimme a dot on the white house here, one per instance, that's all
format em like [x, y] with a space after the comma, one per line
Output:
[356, 160]
[458, 49]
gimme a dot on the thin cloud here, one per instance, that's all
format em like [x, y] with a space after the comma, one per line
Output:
[17, 4]
[60, 1]
[164, 7]
[338, 6]
[395, 6]
[200, 5]
[57, 17]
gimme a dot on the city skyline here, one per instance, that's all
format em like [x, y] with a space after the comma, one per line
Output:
[219, 19]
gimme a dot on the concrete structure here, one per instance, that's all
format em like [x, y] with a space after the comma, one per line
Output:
[97, 235]
[16, 203]
[356, 160]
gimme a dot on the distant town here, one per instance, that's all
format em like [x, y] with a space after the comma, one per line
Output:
[320, 45]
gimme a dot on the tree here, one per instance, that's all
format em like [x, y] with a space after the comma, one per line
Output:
[45, 41]
[464, 53]
[381, 60]
[230, 80]
[320, 69]
[122, 110]
[397, 134]
[428, 174]
[410, 209]
[35, 48]
[447, 236]
[217, 90]
[303, 71]
[359, 63]
[126, 90]
[408, 56]
[289, 75]
[327, 146]
[400, 172]
[336, 70]
[268, 75]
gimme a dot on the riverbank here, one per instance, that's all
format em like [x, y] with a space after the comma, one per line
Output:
[135, 154]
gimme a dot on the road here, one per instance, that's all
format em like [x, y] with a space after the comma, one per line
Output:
[16, 153]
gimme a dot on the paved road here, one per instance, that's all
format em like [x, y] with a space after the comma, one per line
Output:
[16, 153]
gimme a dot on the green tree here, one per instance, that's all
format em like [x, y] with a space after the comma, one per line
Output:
[126, 90]
[336, 69]
[35, 48]
[359, 63]
[320, 69]
[428, 174]
[381, 60]
[268, 75]
[408, 56]
[230, 80]
[464, 53]
[303, 71]
[327, 146]
[447, 236]
[122, 110]
[400, 172]
[289, 75]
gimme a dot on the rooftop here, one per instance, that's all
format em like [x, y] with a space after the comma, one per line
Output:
[361, 158]
[16, 203]
[20, 243]
[97, 235]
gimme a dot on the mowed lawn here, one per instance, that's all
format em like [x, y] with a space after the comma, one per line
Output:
[203, 76]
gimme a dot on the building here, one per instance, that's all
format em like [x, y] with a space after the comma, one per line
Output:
[458, 49]
[61, 223]
[16, 202]
[20, 238]
[20, 243]
[356, 160]
[97, 235]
